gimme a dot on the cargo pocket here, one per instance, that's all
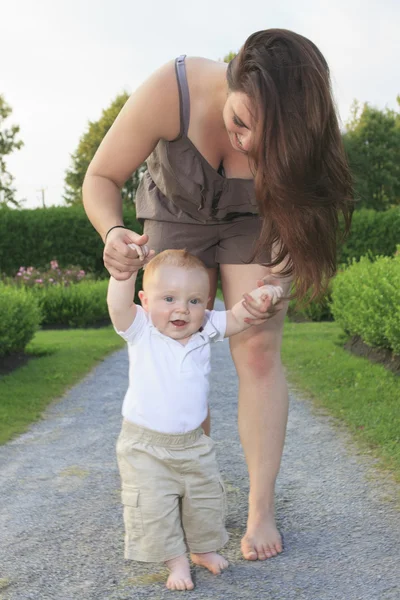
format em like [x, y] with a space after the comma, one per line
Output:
[203, 516]
[223, 499]
[132, 512]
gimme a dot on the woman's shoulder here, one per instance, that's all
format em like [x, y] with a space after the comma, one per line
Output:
[201, 63]
[202, 75]
[203, 72]
[195, 67]
[200, 72]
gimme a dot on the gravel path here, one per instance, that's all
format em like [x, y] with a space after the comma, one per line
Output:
[61, 532]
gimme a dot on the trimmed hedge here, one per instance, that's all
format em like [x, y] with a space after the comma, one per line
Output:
[374, 233]
[20, 318]
[366, 301]
[81, 304]
[58, 233]
[65, 234]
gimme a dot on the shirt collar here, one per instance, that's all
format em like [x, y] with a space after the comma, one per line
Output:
[208, 328]
[207, 332]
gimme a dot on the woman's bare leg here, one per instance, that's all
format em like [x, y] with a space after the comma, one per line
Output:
[213, 275]
[263, 407]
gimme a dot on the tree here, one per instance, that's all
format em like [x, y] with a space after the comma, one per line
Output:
[85, 151]
[372, 143]
[229, 56]
[8, 143]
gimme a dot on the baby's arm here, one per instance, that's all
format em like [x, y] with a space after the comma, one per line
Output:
[236, 317]
[120, 297]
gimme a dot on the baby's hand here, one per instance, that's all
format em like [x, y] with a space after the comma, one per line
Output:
[264, 302]
[142, 251]
[275, 292]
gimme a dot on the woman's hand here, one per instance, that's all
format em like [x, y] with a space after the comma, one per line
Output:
[120, 259]
[264, 307]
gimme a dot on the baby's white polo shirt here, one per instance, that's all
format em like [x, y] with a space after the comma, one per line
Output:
[168, 382]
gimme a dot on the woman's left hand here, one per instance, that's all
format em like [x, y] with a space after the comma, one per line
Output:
[263, 308]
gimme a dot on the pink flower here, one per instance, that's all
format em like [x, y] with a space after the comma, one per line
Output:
[38, 280]
[54, 264]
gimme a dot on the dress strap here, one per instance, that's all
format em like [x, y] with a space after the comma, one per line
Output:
[184, 98]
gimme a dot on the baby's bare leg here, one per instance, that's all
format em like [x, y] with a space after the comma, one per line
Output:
[210, 560]
[179, 577]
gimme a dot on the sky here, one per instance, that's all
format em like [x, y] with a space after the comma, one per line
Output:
[63, 61]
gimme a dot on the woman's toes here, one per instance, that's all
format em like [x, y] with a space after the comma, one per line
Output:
[248, 551]
[250, 554]
[261, 553]
[268, 551]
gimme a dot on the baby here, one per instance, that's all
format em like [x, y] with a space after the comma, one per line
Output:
[172, 491]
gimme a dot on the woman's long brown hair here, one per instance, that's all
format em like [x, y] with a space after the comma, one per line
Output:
[302, 179]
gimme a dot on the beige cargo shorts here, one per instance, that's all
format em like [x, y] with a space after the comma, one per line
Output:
[172, 493]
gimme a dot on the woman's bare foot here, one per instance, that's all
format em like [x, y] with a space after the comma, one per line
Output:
[179, 577]
[210, 560]
[262, 539]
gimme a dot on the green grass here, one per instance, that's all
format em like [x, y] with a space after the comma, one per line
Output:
[60, 359]
[363, 395]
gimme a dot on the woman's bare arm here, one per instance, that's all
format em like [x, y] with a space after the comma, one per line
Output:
[150, 114]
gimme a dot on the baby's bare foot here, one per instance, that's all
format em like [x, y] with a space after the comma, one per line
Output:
[210, 560]
[179, 577]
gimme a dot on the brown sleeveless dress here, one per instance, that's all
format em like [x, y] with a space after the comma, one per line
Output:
[181, 195]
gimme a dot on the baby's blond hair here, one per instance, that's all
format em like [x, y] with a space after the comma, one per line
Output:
[172, 258]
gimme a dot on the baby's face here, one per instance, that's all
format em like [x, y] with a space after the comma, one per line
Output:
[176, 300]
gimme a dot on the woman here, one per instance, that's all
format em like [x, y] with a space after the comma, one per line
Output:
[246, 170]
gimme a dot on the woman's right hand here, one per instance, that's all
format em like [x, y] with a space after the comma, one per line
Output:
[119, 259]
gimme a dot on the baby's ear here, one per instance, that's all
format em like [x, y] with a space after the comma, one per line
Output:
[143, 300]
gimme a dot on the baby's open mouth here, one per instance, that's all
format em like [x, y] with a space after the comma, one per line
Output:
[178, 323]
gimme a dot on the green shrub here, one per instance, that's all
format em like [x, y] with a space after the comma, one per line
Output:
[366, 301]
[20, 319]
[82, 304]
[372, 232]
[320, 310]
[60, 307]
[317, 310]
